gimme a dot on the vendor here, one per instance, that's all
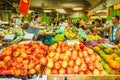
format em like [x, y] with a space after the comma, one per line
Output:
[35, 25]
[114, 30]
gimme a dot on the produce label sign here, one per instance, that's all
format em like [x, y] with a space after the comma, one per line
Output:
[82, 34]
[24, 6]
[73, 41]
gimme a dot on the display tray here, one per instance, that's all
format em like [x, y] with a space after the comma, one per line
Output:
[83, 77]
[70, 77]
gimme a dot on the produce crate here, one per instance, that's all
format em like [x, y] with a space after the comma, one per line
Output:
[83, 77]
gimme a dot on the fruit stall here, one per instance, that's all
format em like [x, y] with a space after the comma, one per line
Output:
[65, 60]
[60, 55]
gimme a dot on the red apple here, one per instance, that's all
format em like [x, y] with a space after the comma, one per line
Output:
[82, 46]
[31, 65]
[78, 61]
[76, 69]
[51, 54]
[24, 72]
[87, 59]
[93, 57]
[73, 56]
[71, 63]
[35, 61]
[54, 71]
[57, 65]
[58, 50]
[50, 64]
[61, 71]
[64, 64]
[80, 54]
[7, 58]
[81, 72]
[44, 61]
[91, 66]
[88, 72]
[69, 70]
[85, 53]
[62, 56]
[66, 57]
[47, 71]
[90, 51]
[99, 66]
[83, 66]
[68, 53]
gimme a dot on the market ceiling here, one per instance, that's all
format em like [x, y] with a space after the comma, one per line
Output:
[39, 5]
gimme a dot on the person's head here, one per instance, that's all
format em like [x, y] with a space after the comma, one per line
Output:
[115, 19]
[37, 18]
[93, 22]
[97, 21]
[54, 19]
[61, 21]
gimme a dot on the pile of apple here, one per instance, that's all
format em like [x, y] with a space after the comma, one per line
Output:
[72, 59]
[22, 59]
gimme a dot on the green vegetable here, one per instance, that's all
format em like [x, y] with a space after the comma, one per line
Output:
[48, 40]
[59, 37]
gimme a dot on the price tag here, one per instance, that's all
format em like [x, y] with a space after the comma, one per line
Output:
[72, 42]
[2, 78]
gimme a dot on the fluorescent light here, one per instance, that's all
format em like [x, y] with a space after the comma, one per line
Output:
[104, 16]
[101, 11]
[47, 11]
[61, 10]
[77, 8]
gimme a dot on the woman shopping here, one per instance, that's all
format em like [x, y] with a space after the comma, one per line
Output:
[35, 25]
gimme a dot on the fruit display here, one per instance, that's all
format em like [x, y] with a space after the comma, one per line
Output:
[59, 37]
[73, 33]
[110, 56]
[70, 32]
[72, 59]
[22, 59]
[92, 43]
[94, 37]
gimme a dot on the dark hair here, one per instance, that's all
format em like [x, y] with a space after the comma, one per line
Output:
[36, 17]
[62, 20]
[97, 20]
[117, 17]
[93, 22]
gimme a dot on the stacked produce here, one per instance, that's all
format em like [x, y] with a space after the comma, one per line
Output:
[94, 37]
[22, 59]
[72, 59]
[72, 33]
[110, 56]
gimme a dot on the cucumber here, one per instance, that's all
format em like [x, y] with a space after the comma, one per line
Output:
[18, 39]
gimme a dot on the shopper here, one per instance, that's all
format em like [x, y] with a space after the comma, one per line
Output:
[82, 25]
[114, 30]
[98, 24]
[34, 26]
[55, 22]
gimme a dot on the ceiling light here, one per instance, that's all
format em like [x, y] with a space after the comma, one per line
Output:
[77, 8]
[61, 10]
[101, 11]
[47, 11]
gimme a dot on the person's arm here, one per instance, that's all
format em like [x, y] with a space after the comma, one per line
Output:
[33, 26]
[102, 29]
